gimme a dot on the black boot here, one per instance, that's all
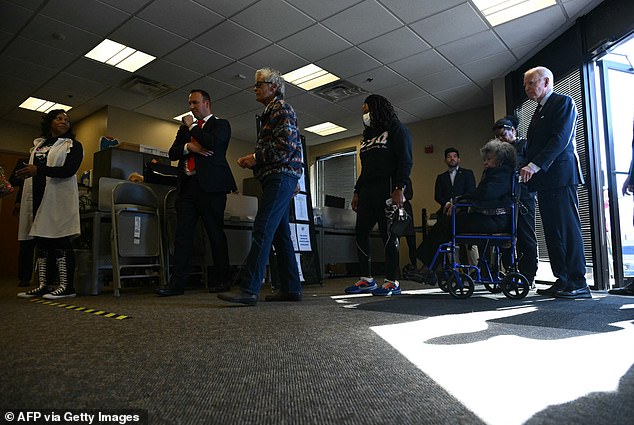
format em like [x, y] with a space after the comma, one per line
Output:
[65, 259]
[43, 288]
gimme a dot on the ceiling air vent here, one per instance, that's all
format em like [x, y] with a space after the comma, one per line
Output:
[338, 90]
[145, 86]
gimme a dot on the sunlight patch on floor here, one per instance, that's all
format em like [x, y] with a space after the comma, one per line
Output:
[506, 379]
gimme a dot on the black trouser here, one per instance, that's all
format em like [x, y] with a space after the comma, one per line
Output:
[370, 211]
[25, 260]
[193, 203]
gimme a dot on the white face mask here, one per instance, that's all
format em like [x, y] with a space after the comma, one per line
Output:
[366, 119]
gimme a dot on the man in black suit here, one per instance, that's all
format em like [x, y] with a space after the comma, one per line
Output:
[554, 172]
[204, 179]
[456, 181]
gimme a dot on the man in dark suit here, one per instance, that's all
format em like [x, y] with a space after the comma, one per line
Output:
[456, 181]
[554, 172]
[204, 179]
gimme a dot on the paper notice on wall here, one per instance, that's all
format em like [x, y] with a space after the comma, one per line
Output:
[302, 183]
[293, 229]
[301, 207]
[303, 237]
[298, 258]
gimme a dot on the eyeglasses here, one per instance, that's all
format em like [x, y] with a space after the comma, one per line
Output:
[258, 84]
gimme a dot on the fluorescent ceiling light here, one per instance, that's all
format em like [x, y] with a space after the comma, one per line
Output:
[116, 54]
[309, 77]
[41, 105]
[499, 11]
[325, 129]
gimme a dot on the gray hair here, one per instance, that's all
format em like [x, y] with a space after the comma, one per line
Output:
[273, 76]
[542, 72]
[503, 152]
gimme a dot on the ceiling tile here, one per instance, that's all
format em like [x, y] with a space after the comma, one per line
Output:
[14, 17]
[185, 18]
[323, 8]
[168, 73]
[75, 40]
[89, 15]
[450, 25]
[425, 63]
[168, 106]
[237, 104]
[273, 19]
[216, 89]
[464, 97]
[315, 42]
[444, 80]
[4, 39]
[362, 22]
[129, 6]
[482, 71]
[376, 79]
[522, 51]
[29, 71]
[276, 57]
[226, 8]
[472, 48]
[121, 98]
[232, 40]
[401, 92]
[534, 27]
[236, 74]
[395, 45]
[413, 10]
[349, 62]
[70, 89]
[35, 52]
[142, 35]
[88, 68]
[425, 107]
[29, 4]
[198, 58]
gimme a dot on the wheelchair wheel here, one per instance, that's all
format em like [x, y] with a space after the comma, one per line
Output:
[460, 285]
[515, 286]
[443, 277]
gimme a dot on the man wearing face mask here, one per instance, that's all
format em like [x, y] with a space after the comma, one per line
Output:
[386, 162]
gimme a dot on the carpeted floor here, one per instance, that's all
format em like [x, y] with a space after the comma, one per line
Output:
[419, 358]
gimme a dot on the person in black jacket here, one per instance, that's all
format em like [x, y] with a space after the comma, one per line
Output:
[386, 162]
[554, 172]
[506, 130]
[490, 213]
[204, 179]
[456, 181]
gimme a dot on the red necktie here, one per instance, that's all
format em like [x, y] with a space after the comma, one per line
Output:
[191, 160]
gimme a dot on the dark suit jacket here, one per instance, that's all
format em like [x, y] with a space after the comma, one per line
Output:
[214, 174]
[464, 183]
[551, 147]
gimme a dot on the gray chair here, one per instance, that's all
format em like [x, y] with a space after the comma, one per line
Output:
[199, 263]
[136, 234]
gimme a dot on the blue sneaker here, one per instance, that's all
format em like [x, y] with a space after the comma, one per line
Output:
[365, 285]
[390, 287]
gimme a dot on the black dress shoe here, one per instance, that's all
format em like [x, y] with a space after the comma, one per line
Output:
[574, 293]
[550, 292]
[626, 290]
[283, 296]
[240, 297]
[169, 292]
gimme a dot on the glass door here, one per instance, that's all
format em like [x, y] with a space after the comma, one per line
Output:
[616, 94]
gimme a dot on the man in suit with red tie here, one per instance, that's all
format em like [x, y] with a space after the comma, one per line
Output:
[554, 172]
[204, 179]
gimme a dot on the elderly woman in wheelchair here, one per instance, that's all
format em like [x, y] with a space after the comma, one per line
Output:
[487, 212]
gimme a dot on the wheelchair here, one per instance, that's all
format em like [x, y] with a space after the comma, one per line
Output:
[459, 279]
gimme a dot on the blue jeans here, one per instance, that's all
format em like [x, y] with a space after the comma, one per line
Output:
[271, 228]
